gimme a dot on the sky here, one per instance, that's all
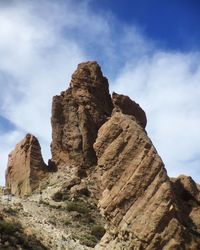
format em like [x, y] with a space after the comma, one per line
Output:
[147, 49]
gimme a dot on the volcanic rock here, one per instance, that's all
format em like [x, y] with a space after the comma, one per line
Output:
[26, 167]
[134, 192]
[77, 114]
[129, 107]
[103, 155]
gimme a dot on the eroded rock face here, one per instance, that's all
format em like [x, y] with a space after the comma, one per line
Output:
[129, 107]
[77, 114]
[134, 192]
[187, 195]
[26, 167]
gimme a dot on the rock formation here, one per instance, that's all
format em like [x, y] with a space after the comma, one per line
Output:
[26, 167]
[135, 194]
[77, 114]
[104, 143]
[127, 106]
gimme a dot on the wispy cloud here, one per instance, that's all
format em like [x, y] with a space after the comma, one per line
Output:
[41, 42]
[167, 87]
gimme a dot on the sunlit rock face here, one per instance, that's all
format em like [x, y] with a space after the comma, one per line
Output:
[26, 167]
[142, 206]
[77, 114]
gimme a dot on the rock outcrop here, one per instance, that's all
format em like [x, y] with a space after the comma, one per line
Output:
[103, 142]
[26, 167]
[135, 194]
[124, 104]
[77, 114]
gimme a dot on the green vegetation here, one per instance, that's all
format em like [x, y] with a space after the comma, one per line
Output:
[10, 211]
[67, 222]
[12, 235]
[9, 227]
[58, 196]
[78, 206]
[91, 238]
[98, 231]
[86, 239]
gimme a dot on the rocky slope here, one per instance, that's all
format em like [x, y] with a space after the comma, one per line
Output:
[106, 163]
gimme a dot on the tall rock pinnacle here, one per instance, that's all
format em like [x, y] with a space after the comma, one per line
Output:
[77, 114]
[26, 167]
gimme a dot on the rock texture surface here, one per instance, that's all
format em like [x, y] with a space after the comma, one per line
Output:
[26, 167]
[135, 194]
[124, 104]
[77, 114]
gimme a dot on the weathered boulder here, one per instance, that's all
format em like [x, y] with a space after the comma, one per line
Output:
[129, 107]
[134, 192]
[77, 114]
[26, 167]
[187, 194]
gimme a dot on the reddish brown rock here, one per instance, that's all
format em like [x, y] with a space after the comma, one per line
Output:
[26, 167]
[144, 209]
[129, 107]
[77, 114]
[134, 192]
[186, 188]
[187, 195]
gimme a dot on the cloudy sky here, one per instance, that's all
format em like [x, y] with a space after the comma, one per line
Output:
[148, 50]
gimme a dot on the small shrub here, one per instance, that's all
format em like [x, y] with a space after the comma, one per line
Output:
[78, 206]
[98, 231]
[8, 227]
[87, 220]
[88, 240]
[67, 222]
[10, 211]
[58, 196]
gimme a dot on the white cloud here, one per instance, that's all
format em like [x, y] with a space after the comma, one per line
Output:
[7, 142]
[167, 86]
[36, 62]
[41, 42]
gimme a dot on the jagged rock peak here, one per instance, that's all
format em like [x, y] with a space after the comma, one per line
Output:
[77, 114]
[129, 107]
[26, 167]
[87, 70]
[186, 187]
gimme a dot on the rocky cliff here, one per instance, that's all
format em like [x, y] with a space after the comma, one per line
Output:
[143, 208]
[26, 167]
[105, 158]
[77, 114]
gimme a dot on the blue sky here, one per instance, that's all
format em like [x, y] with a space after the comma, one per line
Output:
[174, 24]
[148, 50]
